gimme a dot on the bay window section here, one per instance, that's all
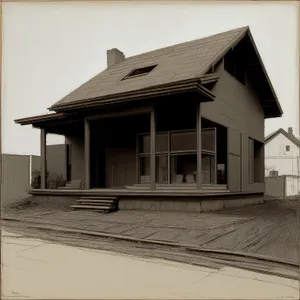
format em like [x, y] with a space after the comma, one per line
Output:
[176, 157]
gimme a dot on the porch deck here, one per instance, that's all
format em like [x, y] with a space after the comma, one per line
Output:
[125, 192]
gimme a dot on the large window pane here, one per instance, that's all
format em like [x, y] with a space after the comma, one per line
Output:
[183, 168]
[209, 140]
[161, 142]
[208, 169]
[184, 141]
[162, 169]
[144, 169]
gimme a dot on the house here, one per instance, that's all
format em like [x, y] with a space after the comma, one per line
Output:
[282, 153]
[178, 128]
[282, 163]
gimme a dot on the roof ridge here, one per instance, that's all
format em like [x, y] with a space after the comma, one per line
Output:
[272, 133]
[187, 42]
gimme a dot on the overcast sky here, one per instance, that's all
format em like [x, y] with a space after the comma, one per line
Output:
[49, 49]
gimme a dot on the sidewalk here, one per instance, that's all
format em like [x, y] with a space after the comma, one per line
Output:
[27, 260]
[268, 229]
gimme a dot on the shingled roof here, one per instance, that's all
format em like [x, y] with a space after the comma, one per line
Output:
[175, 63]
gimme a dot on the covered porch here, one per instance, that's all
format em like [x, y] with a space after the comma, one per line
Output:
[159, 153]
[163, 147]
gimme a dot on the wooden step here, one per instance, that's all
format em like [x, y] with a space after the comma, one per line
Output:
[96, 200]
[78, 206]
[96, 203]
[99, 197]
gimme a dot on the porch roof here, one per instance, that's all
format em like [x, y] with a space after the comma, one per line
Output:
[41, 118]
[194, 85]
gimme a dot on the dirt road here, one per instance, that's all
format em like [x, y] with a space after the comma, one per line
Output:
[270, 229]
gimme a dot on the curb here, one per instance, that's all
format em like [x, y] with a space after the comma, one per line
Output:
[188, 247]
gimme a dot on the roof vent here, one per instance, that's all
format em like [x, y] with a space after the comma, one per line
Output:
[290, 131]
[114, 56]
[140, 72]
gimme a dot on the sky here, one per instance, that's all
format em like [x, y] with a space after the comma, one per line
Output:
[49, 49]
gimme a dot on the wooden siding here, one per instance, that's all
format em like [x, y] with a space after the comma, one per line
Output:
[237, 107]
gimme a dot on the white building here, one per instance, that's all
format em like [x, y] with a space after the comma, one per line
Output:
[282, 158]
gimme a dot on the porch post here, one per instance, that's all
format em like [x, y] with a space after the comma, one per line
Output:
[199, 147]
[152, 149]
[86, 154]
[43, 158]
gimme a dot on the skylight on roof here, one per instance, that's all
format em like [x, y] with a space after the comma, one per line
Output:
[140, 72]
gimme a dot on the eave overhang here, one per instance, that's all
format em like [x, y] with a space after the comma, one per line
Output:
[191, 85]
[40, 118]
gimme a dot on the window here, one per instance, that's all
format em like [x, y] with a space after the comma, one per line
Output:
[161, 142]
[221, 176]
[176, 156]
[161, 169]
[184, 141]
[140, 72]
[208, 169]
[287, 148]
[183, 168]
[144, 169]
[273, 173]
[256, 161]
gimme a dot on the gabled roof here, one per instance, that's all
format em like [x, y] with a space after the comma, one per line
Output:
[291, 137]
[174, 65]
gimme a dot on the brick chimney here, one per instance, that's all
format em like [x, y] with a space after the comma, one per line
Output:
[290, 131]
[114, 56]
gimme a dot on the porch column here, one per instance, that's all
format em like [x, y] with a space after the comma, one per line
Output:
[152, 149]
[43, 159]
[199, 147]
[86, 154]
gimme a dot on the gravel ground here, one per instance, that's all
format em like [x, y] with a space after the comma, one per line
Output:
[271, 229]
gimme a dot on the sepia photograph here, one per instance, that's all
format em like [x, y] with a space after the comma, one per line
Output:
[150, 150]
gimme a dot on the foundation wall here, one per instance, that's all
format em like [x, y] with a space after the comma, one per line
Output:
[54, 201]
[159, 203]
[181, 204]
